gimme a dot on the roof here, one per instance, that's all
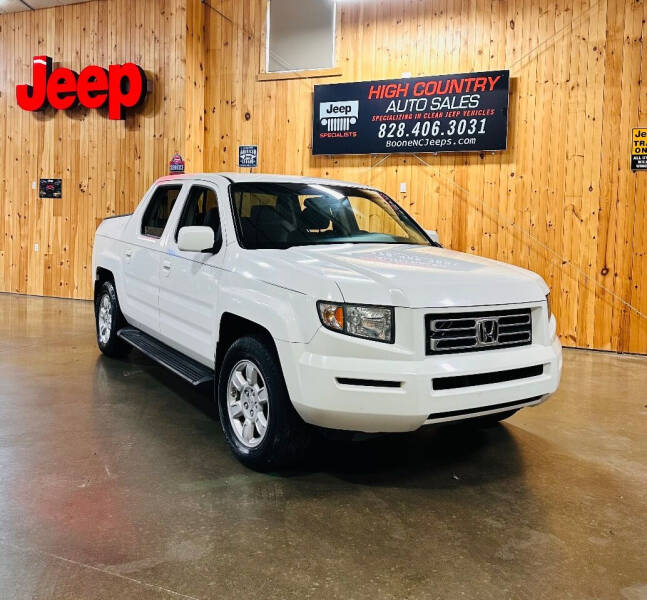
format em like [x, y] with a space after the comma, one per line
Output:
[260, 177]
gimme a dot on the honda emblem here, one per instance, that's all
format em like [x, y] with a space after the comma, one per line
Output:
[487, 331]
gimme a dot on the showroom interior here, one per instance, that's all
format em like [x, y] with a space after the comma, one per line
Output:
[115, 478]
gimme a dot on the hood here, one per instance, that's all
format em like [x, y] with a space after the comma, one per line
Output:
[401, 275]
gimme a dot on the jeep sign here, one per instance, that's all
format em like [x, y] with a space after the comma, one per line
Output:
[338, 116]
[119, 86]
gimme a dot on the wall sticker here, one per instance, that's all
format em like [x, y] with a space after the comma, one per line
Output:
[50, 188]
[639, 149]
[248, 156]
[118, 86]
[445, 113]
[176, 165]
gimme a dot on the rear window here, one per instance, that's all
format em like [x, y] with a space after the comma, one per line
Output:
[159, 210]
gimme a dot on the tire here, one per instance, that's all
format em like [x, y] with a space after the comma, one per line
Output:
[494, 419]
[109, 320]
[260, 424]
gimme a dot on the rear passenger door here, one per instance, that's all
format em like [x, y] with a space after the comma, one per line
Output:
[141, 259]
[189, 281]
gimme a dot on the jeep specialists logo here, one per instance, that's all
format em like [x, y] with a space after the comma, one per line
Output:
[119, 86]
[338, 116]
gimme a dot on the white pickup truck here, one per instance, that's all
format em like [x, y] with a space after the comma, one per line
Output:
[317, 302]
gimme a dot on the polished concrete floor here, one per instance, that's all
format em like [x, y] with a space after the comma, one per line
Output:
[115, 482]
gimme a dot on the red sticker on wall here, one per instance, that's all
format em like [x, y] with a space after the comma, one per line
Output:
[176, 165]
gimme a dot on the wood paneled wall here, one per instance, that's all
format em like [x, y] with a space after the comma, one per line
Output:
[561, 200]
[106, 166]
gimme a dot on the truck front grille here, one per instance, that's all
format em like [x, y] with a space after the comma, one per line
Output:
[483, 330]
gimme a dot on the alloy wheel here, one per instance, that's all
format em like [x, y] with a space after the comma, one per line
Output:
[105, 319]
[247, 403]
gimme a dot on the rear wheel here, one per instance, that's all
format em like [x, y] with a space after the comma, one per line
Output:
[256, 413]
[109, 320]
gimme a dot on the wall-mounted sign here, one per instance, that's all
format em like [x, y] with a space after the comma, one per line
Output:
[446, 113]
[639, 149]
[176, 165]
[119, 86]
[50, 188]
[248, 156]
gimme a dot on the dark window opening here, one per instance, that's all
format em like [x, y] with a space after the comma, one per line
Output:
[201, 209]
[159, 210]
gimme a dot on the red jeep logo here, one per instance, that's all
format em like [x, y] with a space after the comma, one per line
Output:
[120, 86]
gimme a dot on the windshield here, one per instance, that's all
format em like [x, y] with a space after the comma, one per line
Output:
[281, 215]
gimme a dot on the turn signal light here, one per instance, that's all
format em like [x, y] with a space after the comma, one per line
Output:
[332, 315]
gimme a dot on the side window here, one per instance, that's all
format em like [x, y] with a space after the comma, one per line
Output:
[159, 209]
[201, 208]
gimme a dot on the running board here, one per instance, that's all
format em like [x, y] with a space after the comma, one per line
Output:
[187, 368]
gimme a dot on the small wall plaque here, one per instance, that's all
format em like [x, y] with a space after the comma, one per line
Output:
[50, 188]
[176, 165]
[639, 149]
[248, 156]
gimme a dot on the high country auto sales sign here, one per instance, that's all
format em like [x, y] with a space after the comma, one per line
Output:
[118, 86]
[447, 113]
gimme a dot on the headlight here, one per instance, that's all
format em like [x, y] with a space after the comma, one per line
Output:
[370, 322]
[550, 312]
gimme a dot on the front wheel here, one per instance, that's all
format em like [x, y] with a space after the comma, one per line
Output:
[260, 424]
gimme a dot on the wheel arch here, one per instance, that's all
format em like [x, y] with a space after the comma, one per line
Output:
[232, 327]
[100, 277]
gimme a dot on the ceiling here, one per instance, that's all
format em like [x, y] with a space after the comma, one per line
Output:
[9, 6]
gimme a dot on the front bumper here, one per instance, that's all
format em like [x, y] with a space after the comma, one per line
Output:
[317, 377]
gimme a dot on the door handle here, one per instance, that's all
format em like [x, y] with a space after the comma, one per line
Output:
[128, 254]
[166, 268]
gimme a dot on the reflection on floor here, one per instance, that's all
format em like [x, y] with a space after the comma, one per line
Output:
[115, 482]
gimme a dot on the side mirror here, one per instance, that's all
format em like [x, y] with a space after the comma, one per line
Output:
[433, 234]
[195, 239]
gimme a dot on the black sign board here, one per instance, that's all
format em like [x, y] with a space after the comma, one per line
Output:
[445, 113]
[50, 188]
[248, 156]
[639, 149]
